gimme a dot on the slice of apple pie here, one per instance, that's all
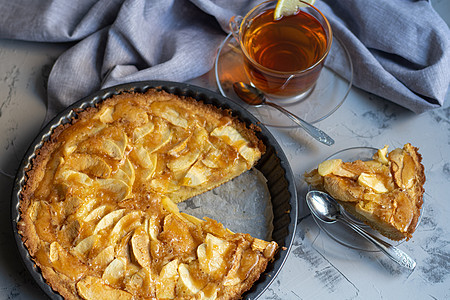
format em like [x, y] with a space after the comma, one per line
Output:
[385, 192]
[99, 214]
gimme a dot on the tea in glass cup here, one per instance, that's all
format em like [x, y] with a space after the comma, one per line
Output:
[283, 58]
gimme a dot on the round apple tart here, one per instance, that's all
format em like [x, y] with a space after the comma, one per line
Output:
[98, 207]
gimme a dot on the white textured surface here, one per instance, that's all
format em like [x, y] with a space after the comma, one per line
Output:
[317, 268]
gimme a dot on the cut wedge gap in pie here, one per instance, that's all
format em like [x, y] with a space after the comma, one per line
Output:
[386, 192]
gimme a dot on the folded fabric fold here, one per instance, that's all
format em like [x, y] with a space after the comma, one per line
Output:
[400, 49]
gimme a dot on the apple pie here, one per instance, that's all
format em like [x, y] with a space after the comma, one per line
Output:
[386, 192]
[98, 208]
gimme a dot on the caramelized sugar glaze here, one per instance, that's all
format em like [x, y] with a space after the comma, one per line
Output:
[98, 212]
[385, 192]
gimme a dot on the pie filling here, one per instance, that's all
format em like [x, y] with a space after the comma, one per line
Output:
[99, 214]
[385, 192]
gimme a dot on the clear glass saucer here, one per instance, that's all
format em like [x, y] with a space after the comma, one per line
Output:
[327, 96]
[342, 233]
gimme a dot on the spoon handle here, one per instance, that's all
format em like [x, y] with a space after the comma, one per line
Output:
[392, 252]
[312, 130]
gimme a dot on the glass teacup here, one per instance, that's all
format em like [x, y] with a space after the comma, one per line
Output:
[283, 58]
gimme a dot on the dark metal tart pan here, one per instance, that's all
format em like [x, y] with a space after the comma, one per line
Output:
[274, 165]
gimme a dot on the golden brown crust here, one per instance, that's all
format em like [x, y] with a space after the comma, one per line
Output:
[94, 209]
[385, 193]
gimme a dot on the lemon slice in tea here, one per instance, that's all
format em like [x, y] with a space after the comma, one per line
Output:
[288, 7]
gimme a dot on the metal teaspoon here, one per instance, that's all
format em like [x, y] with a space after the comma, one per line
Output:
[253, 96]
[326, 209]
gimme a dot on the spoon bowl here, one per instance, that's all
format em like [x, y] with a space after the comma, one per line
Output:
[327, 210]
[323, 206]
[255, 97]
[249, 94]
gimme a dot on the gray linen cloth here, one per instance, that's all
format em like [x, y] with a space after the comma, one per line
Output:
[400, 49]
